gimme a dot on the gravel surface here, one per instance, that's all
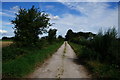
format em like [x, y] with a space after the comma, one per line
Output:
[61, 65]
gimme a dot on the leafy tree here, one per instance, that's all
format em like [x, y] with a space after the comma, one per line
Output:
[28, 25]
[79, 35]
[69, 35]
[60, 37]
[52, 35]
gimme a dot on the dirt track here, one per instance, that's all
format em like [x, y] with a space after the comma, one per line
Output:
[61, 65]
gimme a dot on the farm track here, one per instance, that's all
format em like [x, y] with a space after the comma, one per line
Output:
[61, 65]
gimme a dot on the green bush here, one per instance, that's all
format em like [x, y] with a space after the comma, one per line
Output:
[101, 55]
[104, 47]
[107, 46]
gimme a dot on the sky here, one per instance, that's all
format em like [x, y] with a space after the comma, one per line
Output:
[78, 16]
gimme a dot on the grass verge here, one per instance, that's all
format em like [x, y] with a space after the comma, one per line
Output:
[25, 64]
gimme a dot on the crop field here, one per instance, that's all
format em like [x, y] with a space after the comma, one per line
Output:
[5, 43]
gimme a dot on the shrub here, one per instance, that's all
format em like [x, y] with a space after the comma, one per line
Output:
[101, 54]
[87, 54]
[106, 45]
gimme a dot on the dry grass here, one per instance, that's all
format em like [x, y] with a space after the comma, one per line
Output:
[5, 43]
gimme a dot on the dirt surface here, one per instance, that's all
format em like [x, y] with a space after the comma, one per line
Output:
[61, 65]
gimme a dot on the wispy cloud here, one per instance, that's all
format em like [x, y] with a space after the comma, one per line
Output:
[85, 0]
[6, 23]
[11, 12]
[6, 14]
[15, 8]
[3, 31]
[94, 16]
[6, 29]
[52, 17]
[60, 0]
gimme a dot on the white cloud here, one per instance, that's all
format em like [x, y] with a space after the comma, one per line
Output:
[10, 31]
[15, 8]
[6, 14]
[55, 17]
[6, 29]
[52, 17]
[3, 31]
[94, 16]
[87, 0]
[6, 23]
[11, 12]
[60, 0]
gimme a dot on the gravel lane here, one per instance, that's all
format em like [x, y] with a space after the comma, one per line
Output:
[61, 65]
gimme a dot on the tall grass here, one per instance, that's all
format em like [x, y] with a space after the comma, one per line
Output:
[107, 46]
[101, 54]
[89, 59]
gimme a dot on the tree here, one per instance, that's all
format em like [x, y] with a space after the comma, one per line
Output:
[52, 35]
[69, 35]
[7, 38]
[60, 37]
[28, 25]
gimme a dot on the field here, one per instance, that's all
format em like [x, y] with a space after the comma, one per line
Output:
[5, 43]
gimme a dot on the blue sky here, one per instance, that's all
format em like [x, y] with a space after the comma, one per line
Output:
[78, 16]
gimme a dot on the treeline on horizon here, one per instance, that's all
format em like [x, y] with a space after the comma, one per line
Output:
[75, 34]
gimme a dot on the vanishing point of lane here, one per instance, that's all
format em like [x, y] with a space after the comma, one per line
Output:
[61, 65]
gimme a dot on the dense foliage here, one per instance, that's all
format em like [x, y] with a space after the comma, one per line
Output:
[71, 36]
[101, 53]
[28, 25]
[52, 35]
